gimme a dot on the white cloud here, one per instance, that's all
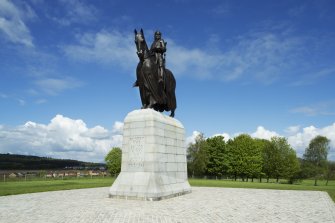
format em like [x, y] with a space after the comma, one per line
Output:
[320, 108]
[191, 139]
[260, 133]
[309, 111]
[41, 101]
[226, 136]
[301, 140]
[292, 129]
[20, 101]
[262, 56]
[63, 138]
[312, 78]
[195, 62]
[12, 22]
[104, 47]
[263, 133]
[76, 12]
[195, 134]
[68, 138]
[118, 127]
[54, 86]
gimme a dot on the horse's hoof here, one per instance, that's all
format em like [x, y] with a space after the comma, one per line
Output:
[150, 106]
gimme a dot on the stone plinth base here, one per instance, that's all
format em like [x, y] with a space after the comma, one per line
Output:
[154, 163]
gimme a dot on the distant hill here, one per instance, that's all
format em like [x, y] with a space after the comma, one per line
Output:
[23, 162]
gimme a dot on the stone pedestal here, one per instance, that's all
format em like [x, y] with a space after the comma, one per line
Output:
[154, 163]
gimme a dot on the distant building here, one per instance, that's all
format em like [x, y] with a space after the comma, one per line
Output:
[48, 175]
[20, 174]
[93, 173]
[12, 175]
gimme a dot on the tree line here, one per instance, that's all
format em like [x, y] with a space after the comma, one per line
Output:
[249, 158]
[26, 162]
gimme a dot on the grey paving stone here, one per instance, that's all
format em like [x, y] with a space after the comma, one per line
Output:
[202, 205]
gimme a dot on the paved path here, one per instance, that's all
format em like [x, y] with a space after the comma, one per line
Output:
[202, 205]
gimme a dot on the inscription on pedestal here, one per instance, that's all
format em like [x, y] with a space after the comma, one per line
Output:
[153, 158]
[136, 152]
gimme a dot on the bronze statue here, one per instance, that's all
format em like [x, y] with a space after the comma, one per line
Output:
[156, 83]
[158, 47]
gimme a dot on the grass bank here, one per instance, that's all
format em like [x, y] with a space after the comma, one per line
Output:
[22, 187]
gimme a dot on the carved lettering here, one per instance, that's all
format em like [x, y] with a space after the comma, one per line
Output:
[136, 152]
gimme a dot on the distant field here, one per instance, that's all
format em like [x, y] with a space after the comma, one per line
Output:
[22, 187]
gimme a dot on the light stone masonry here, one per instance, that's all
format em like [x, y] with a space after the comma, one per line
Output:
[154, 163]
[203, 205]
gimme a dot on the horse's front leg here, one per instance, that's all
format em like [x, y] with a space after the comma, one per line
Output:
[152, 102]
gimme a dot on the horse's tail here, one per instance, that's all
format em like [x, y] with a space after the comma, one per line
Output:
[170, 88]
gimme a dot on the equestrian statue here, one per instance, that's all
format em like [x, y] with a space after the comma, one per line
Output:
[157, 84]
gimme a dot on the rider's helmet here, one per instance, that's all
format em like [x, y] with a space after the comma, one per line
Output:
[158, 34]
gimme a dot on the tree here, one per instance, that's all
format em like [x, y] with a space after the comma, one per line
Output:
[235, 158]
[330, 171]
[291, 170]
[244, 159]
[113, 161]
[280, 159]
[254, 159]
[274, 158]
[308, 169]
[316, 155]
[197, 156]
[262, 144]
[217, 160]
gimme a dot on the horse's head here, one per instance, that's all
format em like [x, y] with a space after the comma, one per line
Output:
[141, 44]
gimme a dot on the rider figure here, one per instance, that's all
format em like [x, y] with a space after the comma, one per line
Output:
[159, 48]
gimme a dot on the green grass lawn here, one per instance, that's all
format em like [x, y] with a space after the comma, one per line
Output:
[304, 185]
[22, 187]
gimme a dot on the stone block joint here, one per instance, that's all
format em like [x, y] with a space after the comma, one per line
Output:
[146, 172]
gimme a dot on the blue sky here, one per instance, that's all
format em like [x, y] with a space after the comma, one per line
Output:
[265, 68]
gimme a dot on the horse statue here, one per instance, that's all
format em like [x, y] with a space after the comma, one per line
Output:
[154, 94]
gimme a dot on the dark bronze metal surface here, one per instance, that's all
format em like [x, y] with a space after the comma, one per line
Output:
[156, 83]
